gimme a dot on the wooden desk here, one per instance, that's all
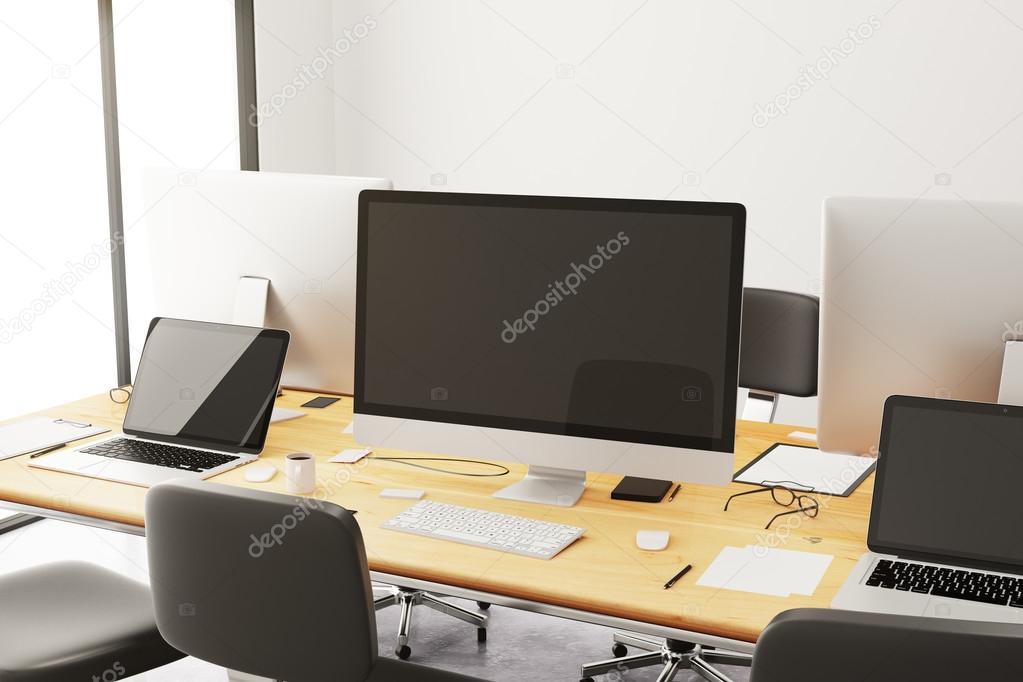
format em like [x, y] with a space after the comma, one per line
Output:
[601, 578]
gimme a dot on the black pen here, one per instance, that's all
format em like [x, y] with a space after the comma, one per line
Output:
[47, 450]
[674, 492]
[678, 576]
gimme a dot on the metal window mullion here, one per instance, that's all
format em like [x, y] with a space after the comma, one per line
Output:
[115, 209]
[245, 48]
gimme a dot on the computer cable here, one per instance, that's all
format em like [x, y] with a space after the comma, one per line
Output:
[411, 461]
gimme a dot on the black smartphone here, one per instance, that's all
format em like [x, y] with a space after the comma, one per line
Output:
[321, 401]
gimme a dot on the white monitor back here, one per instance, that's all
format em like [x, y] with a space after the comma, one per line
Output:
[918, 298]
[299, 231]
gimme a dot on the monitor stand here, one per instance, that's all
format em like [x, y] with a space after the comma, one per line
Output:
[547, 485]
[1010, 388]
[250, 302]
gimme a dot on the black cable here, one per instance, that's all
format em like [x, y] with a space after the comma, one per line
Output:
[411, 461]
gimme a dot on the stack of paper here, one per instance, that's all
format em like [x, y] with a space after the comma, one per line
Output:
[764, 570]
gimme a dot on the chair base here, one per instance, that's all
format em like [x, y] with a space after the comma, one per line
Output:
[409, 598]
[673, 655]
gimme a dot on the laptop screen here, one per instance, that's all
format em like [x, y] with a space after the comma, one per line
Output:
[949, 482]
[205, 384]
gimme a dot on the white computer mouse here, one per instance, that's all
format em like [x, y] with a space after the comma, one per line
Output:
[652, 540]
[259, 473]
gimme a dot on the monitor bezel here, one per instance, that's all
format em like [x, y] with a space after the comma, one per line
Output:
[917, 552]
[737, 212]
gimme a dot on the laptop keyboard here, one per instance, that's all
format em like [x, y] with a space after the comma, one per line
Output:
[939, 581]
[159, 454]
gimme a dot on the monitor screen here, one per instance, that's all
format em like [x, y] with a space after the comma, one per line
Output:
[614, 319]
[947, 469]
[206, 384]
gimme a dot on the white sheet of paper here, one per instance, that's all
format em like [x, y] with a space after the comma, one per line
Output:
[350, 456]
[805, 569]
[811, 469]
[738, 568]
[350, 428]
[762, 570]
[803, 435]
[283, 414]
[37, 433]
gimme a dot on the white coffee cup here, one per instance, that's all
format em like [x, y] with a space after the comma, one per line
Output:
[300, 471]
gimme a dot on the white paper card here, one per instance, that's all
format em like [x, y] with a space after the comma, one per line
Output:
[737, 568]
[350, 456]
[806, 569]
[807, 469]
[803, 435]
[762, 570]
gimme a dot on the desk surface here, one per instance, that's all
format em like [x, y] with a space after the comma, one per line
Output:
[603, 572]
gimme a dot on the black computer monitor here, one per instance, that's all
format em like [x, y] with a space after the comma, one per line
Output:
[578, 333]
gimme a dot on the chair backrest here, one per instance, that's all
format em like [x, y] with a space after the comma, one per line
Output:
[778, 352]
[262, 583]
[804, 645]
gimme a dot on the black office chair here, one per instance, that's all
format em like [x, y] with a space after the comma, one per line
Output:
[76, 621]
[777, 355]
[778, 351]
[808, 645]
[267, 584]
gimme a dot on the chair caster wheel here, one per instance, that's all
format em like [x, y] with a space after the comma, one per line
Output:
[403, 652]
[586, 679]
[619, 650]
[481, 634]
[483, 605]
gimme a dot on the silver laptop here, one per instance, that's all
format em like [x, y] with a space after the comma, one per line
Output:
[200, 406]
[944, 532]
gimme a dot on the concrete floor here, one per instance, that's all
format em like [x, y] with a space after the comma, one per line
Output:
[520, 646]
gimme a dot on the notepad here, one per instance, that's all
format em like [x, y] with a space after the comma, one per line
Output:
[766, 570]
[807, 468]
[38, 433]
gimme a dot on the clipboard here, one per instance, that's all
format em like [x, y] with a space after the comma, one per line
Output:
[39, 433]
[807, 469]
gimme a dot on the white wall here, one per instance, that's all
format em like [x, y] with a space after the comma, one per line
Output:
[657, 98]
[296, 128]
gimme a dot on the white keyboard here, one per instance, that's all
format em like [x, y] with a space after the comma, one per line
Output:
[503, 532]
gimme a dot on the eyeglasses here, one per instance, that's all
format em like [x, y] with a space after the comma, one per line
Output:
[786, 497]
[121, 394]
